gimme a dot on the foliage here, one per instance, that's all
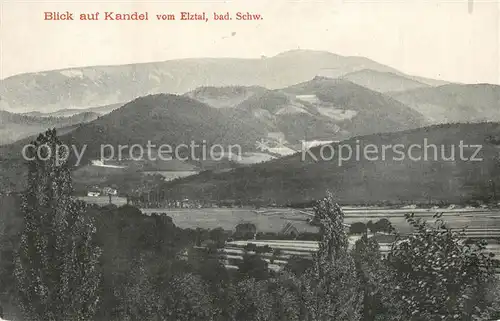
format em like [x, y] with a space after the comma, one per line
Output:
[440, 277]
[254, 267]
[139, 253]
[218, 236]
[331, 285]
[298, 265]
[187, 299]
[285, 293]
[383, 225]
[357, 228]
[11, 226]
[370, 270]
[245, 231]
[251, 247]
[56, 267]
[138, 301]
[252, 301]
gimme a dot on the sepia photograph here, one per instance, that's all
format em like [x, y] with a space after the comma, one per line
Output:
[249, 160]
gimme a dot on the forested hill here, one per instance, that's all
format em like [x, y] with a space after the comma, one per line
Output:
[296, 178]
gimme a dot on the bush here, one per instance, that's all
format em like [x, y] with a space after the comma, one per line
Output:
[437, 276]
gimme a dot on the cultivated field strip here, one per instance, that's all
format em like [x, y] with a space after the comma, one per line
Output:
[233, 252]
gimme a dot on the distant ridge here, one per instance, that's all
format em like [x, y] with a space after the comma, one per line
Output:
[293, 179]
[14, 127]
[454, 102]
[383, 81]
[102, 110]
[85, 87]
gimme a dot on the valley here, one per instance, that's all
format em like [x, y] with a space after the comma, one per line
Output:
[253, 161]
[478, 221]
[273, 220]
[329, 100]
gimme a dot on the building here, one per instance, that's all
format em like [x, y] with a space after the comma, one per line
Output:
[289, 229]
[100, 163]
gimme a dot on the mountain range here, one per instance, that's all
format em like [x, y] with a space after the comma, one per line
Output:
[296, 97]
[325, 109]
[329, 109]
[73, 88]
[319, 109]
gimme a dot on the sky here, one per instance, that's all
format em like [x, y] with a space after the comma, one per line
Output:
[439, 39]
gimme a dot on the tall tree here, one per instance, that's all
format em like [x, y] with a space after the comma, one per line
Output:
[11, 225]
[57, 263]
[331, 288]
[252, 301]
[370, 269]
[284, 292]
[187, 298]
[138, 300]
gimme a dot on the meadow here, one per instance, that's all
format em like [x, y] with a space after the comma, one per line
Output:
[273, 220]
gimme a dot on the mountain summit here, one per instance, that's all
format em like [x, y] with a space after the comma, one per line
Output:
[86, 87]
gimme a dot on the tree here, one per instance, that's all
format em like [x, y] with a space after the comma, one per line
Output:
[357, 228]
[187, 299]
[330, 287]
[218, 236]
[382, 225]
[56, 265]
[245, 231]
[250, 247]
[284, 291]
[253, 266]
[139, 252]
[298, 265]
[370, 269]
[11, 226]
[252, 301]
[138, 299]
[212, 271]
[369, 225]
[438, 276]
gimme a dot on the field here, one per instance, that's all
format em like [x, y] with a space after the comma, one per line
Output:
[481, 223]
[103, 200]
[233, 251]
[228, 218]
[273, 220]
